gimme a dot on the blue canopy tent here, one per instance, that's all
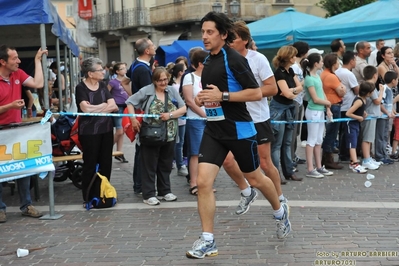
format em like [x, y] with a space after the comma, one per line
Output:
[378, 20]
[166, 54]
[20, 24]
[280, 29]
[28, 25]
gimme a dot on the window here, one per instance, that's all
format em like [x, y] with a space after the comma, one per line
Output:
[69, 10]
[282, 1]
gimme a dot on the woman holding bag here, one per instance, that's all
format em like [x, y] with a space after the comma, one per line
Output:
[156, 160]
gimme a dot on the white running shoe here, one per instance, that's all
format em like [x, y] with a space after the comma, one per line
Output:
[357, 168]
[370, 165]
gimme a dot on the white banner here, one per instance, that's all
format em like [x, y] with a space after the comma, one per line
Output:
[24, 151]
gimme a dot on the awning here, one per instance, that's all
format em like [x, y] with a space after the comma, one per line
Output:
[169, 38]
[166, 54]
[20, 24]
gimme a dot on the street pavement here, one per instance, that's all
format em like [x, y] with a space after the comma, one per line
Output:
[335, 221]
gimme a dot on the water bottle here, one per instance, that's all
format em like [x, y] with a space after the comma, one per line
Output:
[24, 113]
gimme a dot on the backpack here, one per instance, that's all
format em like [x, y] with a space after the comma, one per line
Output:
[61, 129]
[100, 193]
[62, 143]
[136, 66]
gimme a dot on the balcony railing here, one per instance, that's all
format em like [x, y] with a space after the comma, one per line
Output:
[132, 17]
[171, 12]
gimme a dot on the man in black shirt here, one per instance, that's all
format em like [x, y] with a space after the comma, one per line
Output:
[228, 83]
[139, 75]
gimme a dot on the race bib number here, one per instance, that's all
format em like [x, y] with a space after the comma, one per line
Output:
[214, 111]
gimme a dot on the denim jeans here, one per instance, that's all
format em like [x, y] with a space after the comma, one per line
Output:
[136, 171]
[23, 185]
[281, 147]
[332, 130]
[179, 147]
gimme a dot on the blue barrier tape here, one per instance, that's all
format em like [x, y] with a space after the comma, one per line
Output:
[24, 165]
[48, 115]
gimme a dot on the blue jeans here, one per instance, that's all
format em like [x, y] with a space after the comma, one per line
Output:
[332, 130]
[281, 147]
[23, 185]
[179, 147]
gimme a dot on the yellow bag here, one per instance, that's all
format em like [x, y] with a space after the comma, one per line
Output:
[105, 198]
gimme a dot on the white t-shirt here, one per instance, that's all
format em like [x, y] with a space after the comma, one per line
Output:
[260, 67]
[372, 60]
[197, 87]
[348, 79]
[299, 73]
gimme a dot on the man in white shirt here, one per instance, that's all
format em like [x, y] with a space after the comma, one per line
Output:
[260, 114]
[373, 56]
[349, 80]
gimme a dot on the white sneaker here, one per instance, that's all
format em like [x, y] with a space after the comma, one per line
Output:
[375, 162]
[357, 168]
[152, 201]
[370, 165]
[324, 171]
[303, 143]
[182, 171]
[169, 197]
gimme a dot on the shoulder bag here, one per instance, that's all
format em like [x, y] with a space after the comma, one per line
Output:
[154, 135]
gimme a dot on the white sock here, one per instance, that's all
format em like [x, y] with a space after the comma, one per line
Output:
[279, 213]
[207, 236]
[281, 197]
[246, 192]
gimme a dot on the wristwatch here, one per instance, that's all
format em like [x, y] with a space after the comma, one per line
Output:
[294, 91]
[225, 96]
[170, 115]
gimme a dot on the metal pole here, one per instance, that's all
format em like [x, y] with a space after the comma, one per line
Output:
[57, 49]
[44, 66]
[71, 73]
[67, 80]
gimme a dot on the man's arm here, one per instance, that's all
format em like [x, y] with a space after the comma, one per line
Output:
[269, 87]
[213, 94]
[17, 104]
[37, 81]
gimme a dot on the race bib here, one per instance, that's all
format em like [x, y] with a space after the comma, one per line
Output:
[214, 111]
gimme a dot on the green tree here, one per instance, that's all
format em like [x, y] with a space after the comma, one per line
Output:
[335, 7]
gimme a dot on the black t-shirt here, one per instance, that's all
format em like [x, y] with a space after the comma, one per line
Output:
[140, 77]
[91, 125]
[229, 71]
[282, 74]
[360, 110]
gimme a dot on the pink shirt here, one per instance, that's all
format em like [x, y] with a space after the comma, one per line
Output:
[10, 91]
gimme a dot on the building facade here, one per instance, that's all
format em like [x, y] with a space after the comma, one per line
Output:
[119, 23]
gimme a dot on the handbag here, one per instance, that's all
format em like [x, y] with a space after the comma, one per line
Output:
[154, 135]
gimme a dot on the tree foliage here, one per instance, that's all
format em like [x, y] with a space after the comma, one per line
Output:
[335, 7]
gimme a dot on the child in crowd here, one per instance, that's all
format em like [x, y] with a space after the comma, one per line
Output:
[357, 112]
[381, 134]
[370, 74]
[315, 111]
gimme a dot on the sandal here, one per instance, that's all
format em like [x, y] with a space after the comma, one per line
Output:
[194, 191]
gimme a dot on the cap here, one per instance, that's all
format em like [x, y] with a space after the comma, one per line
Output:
[315, 51]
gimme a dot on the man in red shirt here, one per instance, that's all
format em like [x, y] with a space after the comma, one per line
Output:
[11, 80]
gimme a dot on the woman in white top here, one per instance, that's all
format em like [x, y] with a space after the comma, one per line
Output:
[195, 123]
